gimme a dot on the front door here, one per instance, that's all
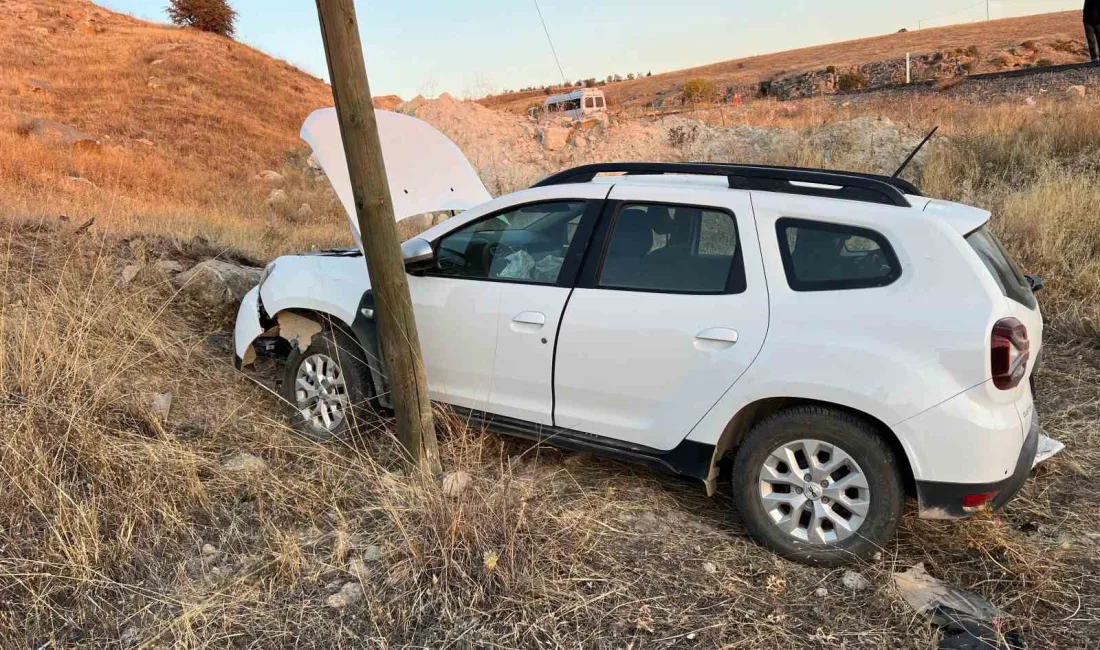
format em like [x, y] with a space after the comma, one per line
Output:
[487, 314]
[669, 311]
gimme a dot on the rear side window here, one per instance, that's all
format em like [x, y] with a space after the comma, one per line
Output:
[1008, 276]
[673, 249]
[820, 256]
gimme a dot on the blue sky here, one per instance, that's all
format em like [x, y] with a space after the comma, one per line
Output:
[472, 48]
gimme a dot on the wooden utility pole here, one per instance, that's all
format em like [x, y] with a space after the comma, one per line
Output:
[378, 232]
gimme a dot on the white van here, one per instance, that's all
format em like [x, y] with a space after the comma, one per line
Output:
[582, 101]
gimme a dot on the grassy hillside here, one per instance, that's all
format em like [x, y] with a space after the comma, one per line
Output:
[986, 36]
[184, 121]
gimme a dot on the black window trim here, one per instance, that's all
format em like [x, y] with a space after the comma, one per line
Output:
[573, 256]
[835, 285]
[736, 281]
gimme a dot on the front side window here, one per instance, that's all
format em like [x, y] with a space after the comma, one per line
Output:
[527, 244]
[821, 256]
[673, 249]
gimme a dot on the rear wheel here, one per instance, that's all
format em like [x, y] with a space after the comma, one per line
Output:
[818, 486]
[328, 385]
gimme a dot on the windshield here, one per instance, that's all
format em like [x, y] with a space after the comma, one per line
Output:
[1007, 275]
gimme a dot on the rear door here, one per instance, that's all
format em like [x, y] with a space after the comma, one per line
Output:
[670, 309]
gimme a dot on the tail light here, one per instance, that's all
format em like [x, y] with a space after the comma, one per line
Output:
[1009, 352]
[976, 502]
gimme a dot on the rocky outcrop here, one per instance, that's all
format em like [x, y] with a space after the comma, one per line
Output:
[214, 283]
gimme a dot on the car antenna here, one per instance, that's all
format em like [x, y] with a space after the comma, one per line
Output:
[915, 152]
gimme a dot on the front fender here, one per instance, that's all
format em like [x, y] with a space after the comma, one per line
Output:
[327, 285]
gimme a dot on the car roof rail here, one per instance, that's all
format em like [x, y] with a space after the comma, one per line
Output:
[853, 186]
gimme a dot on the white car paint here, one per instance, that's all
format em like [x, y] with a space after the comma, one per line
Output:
[654, 370]
[644, 367]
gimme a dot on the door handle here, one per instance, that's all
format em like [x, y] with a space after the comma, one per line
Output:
[715, 339]
[528, 322]
[530, 318]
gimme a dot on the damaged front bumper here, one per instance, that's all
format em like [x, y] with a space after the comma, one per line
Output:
[957, 500]
[247, 329]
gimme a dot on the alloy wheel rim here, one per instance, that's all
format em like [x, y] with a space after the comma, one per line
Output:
[814, 491]
[320, 392]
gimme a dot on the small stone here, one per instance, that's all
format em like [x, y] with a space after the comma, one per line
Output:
[350, 594]
[1030, 101]
[854, 581]
[357, 568]
[372, 554]
[155, 83]
[821, 592]
[305, 210]
[161, 404]
[41, 31]
[244, 462]
[455, 483]
[157, 62]
[277, 197]
[144, 142]
[268, 176]
[209, 550]
[710, 567]
[1076, 91]
[169, 267]
[129, 273]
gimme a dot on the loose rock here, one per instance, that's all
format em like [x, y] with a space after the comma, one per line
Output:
[854, 581]
[169, 267]
[455, 483]
[269, 176]
[216, 284]
[161, 404]
[129, 273]
[350, 594]
[710, 567]
[277, 197]
[821, 592]
[209, 550]
[372, 554]
[245, 463]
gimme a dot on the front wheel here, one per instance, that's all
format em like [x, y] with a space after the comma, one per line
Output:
[327, 384]
[818, 486]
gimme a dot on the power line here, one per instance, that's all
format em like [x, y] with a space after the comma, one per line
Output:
[551, 41]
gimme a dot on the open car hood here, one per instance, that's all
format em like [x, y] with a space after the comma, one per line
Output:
[426, 171]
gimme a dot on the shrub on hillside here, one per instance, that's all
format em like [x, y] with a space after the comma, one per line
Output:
[698, 90]
[207, 15]
[851, 81]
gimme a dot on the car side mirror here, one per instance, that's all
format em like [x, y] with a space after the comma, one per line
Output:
[419, 255]
[1035, 282]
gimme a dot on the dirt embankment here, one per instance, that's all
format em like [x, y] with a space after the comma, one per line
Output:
[511, 152]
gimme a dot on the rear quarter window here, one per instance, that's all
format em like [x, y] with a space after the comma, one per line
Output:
[820, 256]
[1008, 276]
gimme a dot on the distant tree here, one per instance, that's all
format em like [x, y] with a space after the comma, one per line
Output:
[630, 77]
[207, 15]
[590, 82]
[649, 74]
[617, 77]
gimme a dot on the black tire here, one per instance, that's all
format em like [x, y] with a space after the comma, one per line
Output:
[855, 437]
[338, 345]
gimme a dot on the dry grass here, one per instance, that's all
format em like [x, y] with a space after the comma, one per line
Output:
[107, 505]
[178, 159]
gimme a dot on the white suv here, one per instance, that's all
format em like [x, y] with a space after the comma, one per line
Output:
[831, 342]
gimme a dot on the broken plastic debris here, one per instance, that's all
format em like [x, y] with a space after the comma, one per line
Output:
[966, 619]
[1048, 447]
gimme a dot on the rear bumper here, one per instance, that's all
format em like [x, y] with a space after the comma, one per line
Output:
[945, 500]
